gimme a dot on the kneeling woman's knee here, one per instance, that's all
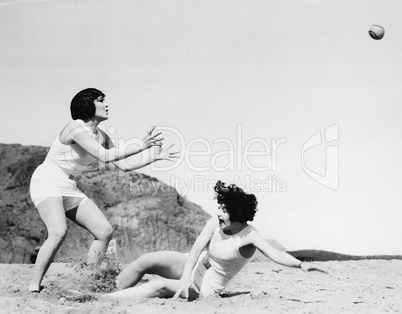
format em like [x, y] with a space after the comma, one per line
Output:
[160, 288]
[145, 262]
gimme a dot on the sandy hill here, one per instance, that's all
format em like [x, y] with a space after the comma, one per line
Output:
[146, 214]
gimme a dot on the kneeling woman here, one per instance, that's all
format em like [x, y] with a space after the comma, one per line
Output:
[230, 243]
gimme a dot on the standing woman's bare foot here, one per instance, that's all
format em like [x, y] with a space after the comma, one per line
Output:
[35, 289]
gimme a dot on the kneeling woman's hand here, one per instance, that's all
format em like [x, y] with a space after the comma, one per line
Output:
[183, 288]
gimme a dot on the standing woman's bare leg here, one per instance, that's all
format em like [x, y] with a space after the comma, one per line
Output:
[51, 211]
[90, 217]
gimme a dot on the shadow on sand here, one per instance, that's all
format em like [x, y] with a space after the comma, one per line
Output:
[233, 294]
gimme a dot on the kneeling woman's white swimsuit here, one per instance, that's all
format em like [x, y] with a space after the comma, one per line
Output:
[55, 177]
[220, 262]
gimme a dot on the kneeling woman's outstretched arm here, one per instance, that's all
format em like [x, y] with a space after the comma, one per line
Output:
[279, 257]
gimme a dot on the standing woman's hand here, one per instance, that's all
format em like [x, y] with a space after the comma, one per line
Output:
[151, 139]
[165, 153]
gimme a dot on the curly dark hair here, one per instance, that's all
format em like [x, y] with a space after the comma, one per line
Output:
[240, 205]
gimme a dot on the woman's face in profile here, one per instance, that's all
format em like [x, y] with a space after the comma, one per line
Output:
[101, 108]
[223, 217]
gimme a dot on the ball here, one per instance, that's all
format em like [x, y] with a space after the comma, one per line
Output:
[376, 32]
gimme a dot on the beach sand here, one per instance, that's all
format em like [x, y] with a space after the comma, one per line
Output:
[368, 286]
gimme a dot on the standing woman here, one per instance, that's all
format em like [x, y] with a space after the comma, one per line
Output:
[53, 185]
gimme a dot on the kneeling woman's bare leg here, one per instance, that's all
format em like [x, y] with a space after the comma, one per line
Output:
[167, 264]
[158, 288]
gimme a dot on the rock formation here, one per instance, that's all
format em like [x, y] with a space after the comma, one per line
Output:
[146, 214]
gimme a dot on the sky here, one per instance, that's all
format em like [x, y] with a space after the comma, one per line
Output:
[291, 100]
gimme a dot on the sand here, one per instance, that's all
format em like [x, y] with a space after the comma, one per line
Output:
[369, 286]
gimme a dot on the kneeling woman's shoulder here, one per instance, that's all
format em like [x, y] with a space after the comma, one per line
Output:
[253, 236]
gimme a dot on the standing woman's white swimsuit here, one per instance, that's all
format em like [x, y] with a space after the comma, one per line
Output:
[55, 177]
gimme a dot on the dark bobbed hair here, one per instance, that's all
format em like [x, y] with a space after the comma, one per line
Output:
[240, 205]
[82, 105]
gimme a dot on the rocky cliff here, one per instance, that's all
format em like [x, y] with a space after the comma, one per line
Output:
[146, 214]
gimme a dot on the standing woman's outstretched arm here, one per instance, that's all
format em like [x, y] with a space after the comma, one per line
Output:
[76, 133]
[148, 157]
